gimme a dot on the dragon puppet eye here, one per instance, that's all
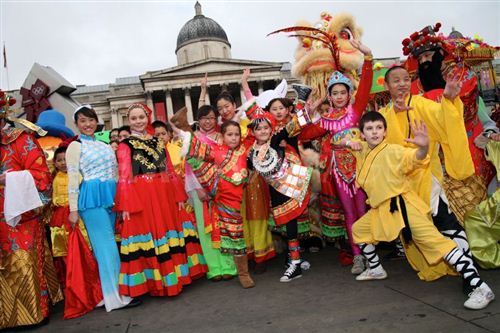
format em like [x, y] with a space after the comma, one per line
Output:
[346, 34]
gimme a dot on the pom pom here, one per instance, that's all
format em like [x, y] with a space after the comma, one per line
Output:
[2, 94]
[425, 32]
[438, 25]
[414, 36]
[12, 101]
[406, 52]
[2, 102]
[406, 42]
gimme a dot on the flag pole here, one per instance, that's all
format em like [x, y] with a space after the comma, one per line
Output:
[5, 66]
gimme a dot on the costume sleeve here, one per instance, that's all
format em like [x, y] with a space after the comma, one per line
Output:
[407, 158]
[194, 148]
[363, 92]
[445, 124]
[126, 199]
[311, 132]
[34, 161]
[191, 183]
[174, 180]
[248, 93]
[73, 166]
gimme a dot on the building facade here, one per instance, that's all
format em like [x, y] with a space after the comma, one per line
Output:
[202, 47]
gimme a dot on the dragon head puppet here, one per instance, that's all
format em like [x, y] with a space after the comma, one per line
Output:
[324, 48]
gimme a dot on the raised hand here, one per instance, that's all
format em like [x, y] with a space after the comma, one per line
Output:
[360, 46]
[453, 87]
[246, 74]
[174, 128]
[204, 81]
[420, 134]
[400, 105]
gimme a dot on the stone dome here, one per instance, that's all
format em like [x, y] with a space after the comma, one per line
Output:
[455, 33]
[199, 28]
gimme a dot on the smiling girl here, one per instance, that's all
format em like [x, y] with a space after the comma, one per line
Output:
[157, 236]
[339, 123]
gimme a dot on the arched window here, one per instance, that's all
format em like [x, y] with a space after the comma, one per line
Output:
[224, 52]
[186, 59]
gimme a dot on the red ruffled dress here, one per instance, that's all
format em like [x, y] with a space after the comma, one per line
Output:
[160, 250]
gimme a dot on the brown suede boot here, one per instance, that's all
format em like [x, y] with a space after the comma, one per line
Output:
[242, 267]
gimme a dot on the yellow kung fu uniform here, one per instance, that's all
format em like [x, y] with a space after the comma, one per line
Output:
[445, 124]
[382, 173]
[446, 128]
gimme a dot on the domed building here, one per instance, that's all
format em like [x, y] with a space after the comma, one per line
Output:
[202, 47]
[201, 38]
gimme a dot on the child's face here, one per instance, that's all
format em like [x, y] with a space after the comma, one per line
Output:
[123, 135]
[398, 83]
[208, 122]
[262, 132]
[232, 137]
[60, 162]
[323, 109]
[374, 133]
[226, 109]
[279, 111]
[113, 136]
[339, 95]
[162, 133]
[138, 120]
[86, 125]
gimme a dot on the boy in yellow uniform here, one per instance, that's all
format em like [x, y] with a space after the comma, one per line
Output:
[382, 170]
[447, 133]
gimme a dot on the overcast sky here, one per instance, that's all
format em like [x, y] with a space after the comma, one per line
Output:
[94, 42]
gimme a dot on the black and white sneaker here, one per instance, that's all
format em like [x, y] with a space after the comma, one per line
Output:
[292, 272]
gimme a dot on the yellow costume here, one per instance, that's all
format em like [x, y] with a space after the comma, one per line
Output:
[446, 129]
[382, 173]
[445, 124]
[59, 224]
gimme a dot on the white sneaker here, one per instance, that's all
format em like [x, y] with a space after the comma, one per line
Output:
[480, 297]
[372, 274]
[358, 265]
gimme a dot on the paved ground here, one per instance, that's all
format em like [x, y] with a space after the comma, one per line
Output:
[325, 299]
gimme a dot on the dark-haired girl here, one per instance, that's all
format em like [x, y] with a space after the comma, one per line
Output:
[225, 174]
[95, 163]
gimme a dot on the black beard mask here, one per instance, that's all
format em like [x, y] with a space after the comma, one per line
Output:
[429, 73]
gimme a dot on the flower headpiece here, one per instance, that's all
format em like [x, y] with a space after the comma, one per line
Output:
[423, 40]
[338, 77]
[144, 107]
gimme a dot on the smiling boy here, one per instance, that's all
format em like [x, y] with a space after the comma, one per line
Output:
[382, 170]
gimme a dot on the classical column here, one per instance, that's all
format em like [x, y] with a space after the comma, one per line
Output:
[114, 118]
[189, 106]
[261, 88]
[169, 104]
[149, 103]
